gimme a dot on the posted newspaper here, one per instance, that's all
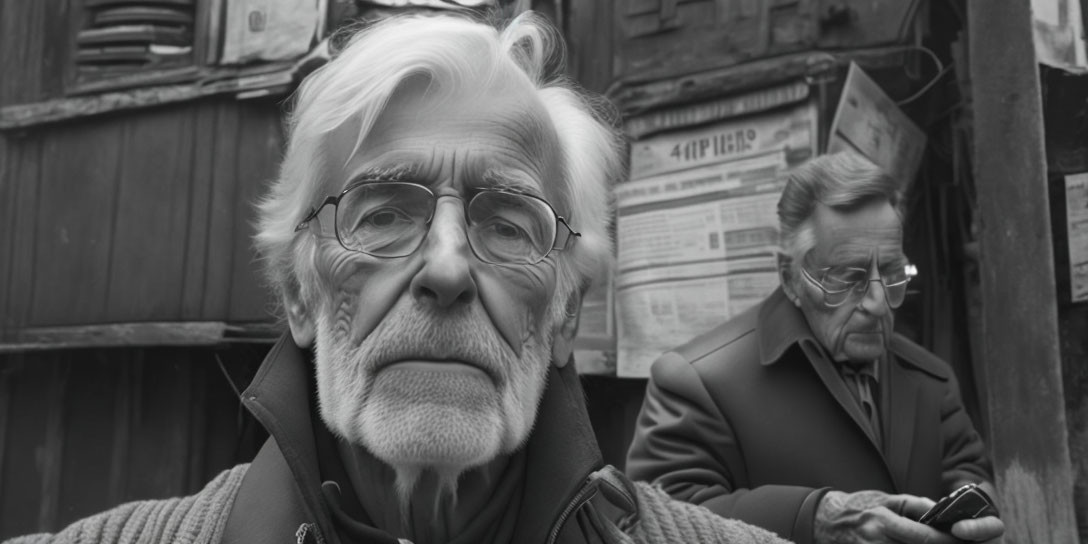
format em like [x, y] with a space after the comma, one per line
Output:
[697, 228]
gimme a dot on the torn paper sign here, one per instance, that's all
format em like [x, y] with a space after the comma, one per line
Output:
[270, 30]
[870, 123]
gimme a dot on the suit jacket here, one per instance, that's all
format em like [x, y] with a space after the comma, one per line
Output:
[753, 422]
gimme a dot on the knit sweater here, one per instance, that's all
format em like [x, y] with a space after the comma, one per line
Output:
[200, 518]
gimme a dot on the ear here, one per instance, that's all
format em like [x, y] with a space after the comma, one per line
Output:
[299, 318]
[786, 278]
[563, 341]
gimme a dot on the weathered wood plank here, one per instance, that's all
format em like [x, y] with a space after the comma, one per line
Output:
[635, 95]
[7, 365]
[22, 470]
[21, 171]
[157, 453]
[1028, 434]
[53, 447]
[260, 142]
[21, 39]
[149, 334]
[63, 109]
[76, 213]
[118, 334]
[589, 33]
[147, 257]
[57, 35]
[196, 440]
[197, 263]
[90, 430]
[222, 145]
[125, 396]
[8, 233]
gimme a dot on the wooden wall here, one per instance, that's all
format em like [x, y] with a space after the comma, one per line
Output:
[139, 216]
[83, 430]
[121, 218]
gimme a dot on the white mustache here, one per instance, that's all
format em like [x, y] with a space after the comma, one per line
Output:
[413, 331]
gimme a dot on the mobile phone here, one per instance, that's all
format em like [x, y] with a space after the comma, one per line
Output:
[967, 502]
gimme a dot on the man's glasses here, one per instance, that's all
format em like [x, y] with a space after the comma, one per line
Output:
[840, 284]
[390, 219]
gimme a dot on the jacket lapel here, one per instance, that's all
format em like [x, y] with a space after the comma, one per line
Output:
[782, 325]
[835, 385]
[278, 398]
[560, 455]
[899, 413]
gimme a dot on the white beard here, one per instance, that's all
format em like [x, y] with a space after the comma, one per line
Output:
[416, 420]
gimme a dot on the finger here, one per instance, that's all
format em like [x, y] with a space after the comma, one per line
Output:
[909, 531]
[910, 506]
[986, 528]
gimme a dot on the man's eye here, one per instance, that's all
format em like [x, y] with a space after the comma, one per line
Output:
[845, 278]
[386, 217]
[503, 229]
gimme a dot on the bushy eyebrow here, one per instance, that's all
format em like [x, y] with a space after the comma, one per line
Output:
[511, 180]
[396, 172]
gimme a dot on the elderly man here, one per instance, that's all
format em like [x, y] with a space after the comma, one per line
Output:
[807, 414]
[440, 210]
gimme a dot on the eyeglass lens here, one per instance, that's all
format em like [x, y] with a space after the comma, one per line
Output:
[391, 220]
[840, 284]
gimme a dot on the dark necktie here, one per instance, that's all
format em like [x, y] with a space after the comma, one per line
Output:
[862, 381]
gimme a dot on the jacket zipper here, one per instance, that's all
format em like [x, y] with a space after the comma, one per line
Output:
[584, 495]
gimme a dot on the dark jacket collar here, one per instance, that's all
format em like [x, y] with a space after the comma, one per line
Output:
[560, 453]
[779, 326]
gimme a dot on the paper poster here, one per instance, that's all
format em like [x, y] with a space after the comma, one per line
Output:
[698, 245]
[792, 130]
[869, 122]
[688, 115]
[270, 30]
[1058, 33]
[1076, 206]
[594, 347]
[697, 228]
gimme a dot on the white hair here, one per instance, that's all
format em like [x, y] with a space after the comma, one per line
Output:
[843, 181]
[453, 53]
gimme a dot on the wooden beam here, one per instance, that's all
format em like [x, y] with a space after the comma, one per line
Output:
[139, 334]
[634, 96]
[62, 109]
[251, 82]
[1028, 435]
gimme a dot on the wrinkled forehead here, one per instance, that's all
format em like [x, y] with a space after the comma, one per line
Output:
[855, 236]
[465, 135]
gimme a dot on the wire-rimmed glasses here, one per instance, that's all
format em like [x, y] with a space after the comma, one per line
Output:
[840, 284]
[390, 219]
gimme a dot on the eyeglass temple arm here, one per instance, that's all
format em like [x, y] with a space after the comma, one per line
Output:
[310, 215]
[570, 236]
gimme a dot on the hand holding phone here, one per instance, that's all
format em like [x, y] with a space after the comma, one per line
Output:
[967, 502]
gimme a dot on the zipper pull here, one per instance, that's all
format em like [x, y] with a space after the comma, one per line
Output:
[307, 533]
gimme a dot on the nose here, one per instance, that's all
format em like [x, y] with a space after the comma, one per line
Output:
[875, 300]
[446, 277]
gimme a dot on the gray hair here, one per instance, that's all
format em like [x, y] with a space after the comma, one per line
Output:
[451, 52]
[842, 181]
